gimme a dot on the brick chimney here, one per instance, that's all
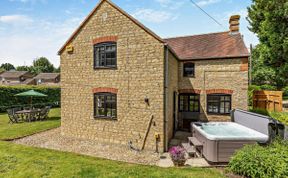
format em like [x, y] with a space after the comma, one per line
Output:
[234, 24]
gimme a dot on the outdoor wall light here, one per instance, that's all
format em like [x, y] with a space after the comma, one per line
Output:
[146, 100]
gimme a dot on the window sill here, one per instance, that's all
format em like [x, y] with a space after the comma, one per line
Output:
[105, 118]
[108, 68]
[189, 76]
[218, 114]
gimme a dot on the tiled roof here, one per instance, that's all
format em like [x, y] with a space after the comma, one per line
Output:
[47, 76]
[13, 74]
[209, 46]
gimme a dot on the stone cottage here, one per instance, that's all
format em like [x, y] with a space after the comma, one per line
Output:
[121, 83]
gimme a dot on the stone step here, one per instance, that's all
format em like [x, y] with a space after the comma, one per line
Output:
[189, 148]
[194, 141]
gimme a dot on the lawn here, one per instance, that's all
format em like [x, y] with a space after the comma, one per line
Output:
[18, 161]
[12, 131]
[22, 161]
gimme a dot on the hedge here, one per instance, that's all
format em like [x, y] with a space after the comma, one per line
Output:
[8, 99]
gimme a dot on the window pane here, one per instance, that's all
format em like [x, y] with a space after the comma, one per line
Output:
[213, 107]
[100, 105]
[196, 106]
[222, 107]
[227, 107]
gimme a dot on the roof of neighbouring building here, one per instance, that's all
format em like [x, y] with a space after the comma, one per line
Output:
[209, 46]
[13, 74]
[47, 76]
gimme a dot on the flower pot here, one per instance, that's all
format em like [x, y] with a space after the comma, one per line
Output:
[179, 163]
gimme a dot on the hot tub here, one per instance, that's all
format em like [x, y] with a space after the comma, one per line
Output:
[221, 139]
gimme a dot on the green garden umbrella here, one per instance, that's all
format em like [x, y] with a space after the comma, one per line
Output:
[31, 94]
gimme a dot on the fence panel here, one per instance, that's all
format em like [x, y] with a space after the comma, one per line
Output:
[268, 100]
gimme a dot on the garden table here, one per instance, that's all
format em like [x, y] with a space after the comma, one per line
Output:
[27, 115]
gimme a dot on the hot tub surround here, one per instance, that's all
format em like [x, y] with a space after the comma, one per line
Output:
[220, 140]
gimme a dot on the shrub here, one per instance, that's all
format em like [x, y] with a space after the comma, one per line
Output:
[251, 89]
[280, 116]
[177, 154]
[261, 162]
[268, 87]
[8, 99]
[285, 91]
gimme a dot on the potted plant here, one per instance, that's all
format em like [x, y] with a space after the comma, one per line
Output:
[177, 154]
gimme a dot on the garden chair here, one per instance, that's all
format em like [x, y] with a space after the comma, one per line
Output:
[13, 118]
[44, 113]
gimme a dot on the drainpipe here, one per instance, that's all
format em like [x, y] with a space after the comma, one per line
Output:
[166, 83]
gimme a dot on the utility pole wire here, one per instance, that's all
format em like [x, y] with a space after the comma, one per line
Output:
[207, 14]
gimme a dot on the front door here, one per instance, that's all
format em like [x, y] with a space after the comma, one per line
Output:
[189, 109]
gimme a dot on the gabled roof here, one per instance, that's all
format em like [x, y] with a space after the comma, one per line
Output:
[13, 74]
[117, 8]
[47, 76]
[209, 46]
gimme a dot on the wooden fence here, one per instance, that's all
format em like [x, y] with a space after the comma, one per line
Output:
[268, 100]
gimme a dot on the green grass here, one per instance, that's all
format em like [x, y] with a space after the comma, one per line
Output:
[13, 131]
[25, 162]
[285, 97]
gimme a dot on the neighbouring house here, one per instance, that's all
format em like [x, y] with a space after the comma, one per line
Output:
[15, 77]
[47, 79]
[122, 83]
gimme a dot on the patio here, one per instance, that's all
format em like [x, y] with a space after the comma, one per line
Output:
[52, 139]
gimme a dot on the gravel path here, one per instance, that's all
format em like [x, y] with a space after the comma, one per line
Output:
[52, 139]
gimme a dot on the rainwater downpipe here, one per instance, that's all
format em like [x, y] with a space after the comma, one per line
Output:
[166, 83]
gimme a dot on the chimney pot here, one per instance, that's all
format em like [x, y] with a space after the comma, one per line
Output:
[234, 24]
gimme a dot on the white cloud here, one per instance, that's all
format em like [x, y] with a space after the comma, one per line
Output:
[171, 4]
[154, 16]
[207, 2]
[15, 19]
[22, 44]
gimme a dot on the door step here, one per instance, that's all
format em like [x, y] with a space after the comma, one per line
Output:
[189, 149]
[195, 141]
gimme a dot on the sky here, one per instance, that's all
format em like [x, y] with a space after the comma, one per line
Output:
[33, 28]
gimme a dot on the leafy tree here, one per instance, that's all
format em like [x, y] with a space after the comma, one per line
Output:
[42, 64]
[23, 68]
[2, 70]
[7, 66]
[261, 73]
[268, 19]
[57, 70]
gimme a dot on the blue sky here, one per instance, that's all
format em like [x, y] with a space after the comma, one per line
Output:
[34, 28]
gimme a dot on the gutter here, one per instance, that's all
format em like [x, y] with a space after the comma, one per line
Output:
[166, 83]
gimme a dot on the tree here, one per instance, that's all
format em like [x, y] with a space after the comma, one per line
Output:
[1, 70]
[268, 19]
[42, 64]
[261, 73]
[23, 68]
[57, 70]
[7, 66]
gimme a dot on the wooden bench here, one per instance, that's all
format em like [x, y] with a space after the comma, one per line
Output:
[198, 145]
